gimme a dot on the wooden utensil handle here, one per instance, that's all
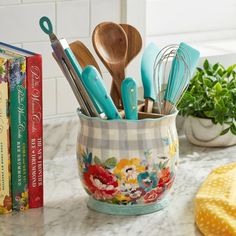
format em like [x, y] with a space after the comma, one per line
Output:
[148, 105]
[140, 108]
[114, 94]
[145, 115]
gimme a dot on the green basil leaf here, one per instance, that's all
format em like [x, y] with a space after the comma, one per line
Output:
[233, 129]
[218, 87]
[206, 65]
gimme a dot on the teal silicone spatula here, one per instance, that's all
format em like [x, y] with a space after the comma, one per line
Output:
[147, 64]
[182, 69]
[129, 94]
[96, 88]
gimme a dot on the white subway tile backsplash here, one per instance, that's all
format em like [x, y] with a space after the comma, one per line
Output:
[33, 1]
[66, 101]
[49, 97]
[8, 2]
[73, 18]
[105, 10]
[20, 23]
[50, 67]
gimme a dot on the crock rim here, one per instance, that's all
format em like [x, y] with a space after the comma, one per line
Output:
[81, 115]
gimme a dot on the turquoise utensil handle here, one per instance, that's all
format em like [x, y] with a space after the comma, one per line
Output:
[71, 57]
[147, 64]
[74, 61]
[129, 96]
[96, 88]
[77, 68]
[46, 25]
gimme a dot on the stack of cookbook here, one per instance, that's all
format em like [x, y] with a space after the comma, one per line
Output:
[21, 133]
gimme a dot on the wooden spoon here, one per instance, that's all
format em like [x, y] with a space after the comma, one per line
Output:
[111, 44]
[134, 42]
[134, 47]
[83, 55]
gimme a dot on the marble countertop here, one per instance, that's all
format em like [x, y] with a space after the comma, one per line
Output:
[66, 213]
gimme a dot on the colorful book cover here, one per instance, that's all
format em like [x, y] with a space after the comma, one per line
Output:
[35, 130]
[35, 122]
[18, 131]
[5, 165]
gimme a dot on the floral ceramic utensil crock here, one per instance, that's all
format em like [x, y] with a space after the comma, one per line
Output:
[127, 167]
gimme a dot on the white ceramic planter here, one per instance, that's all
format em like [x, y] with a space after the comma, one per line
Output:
[203, 132]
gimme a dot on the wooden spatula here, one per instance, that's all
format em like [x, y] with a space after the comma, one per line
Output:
[83, 55]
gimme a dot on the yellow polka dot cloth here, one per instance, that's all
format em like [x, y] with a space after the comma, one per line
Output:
[215, 203]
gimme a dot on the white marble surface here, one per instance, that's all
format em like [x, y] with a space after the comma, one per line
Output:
[65, 211]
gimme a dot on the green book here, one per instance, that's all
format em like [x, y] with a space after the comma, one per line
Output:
[18, 132]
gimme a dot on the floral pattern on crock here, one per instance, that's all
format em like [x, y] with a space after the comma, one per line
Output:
[100, 182]
[147, 181]
[128, 170]
[173, 147]
[125, 181]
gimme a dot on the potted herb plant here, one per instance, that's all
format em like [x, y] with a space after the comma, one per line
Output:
[209, 105]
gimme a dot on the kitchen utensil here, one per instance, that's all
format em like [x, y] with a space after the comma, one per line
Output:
[134, 47]
[111, 44]
[96, 89]
[147, 64]
[83, 55]
[134, 42]
[78, 69]
[183, 65]
[161, 72]
[146, 115]
[182, 69]
[85, 58]
[129, 95]
[140, 108]
[70, 68]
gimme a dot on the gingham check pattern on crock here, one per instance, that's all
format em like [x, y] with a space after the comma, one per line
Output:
[123, 138]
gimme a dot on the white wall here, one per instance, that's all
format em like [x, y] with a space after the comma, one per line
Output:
[72, 20]
[172, 21]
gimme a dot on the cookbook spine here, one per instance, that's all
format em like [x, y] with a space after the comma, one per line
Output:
[5, 165]
[18, 131]
[35, 130]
